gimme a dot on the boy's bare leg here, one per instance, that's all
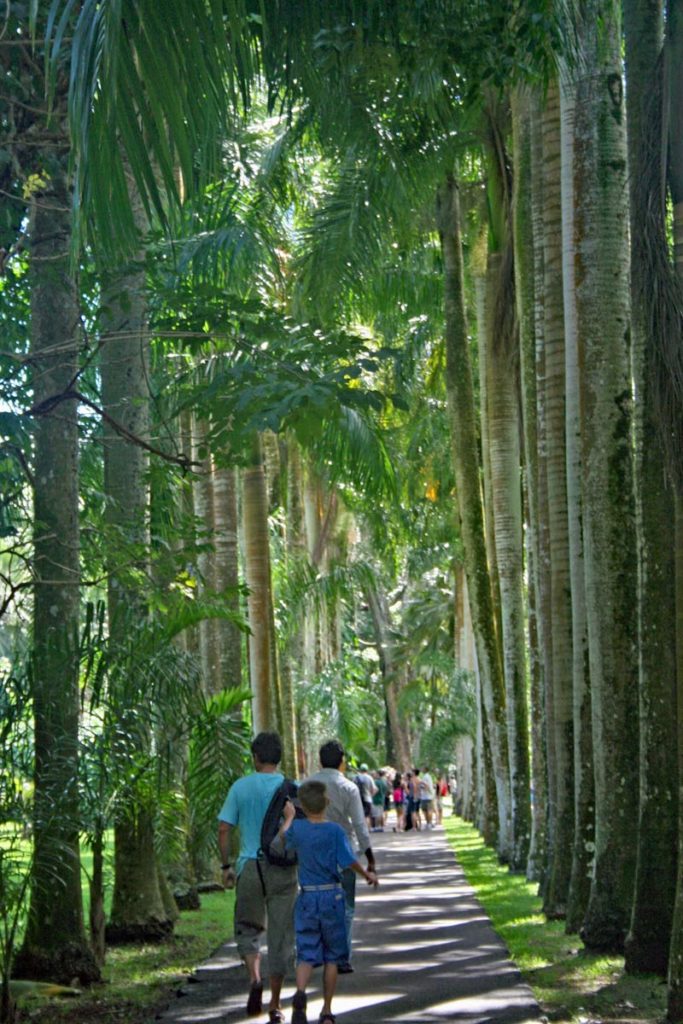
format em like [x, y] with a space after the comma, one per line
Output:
[303, 975]
[329, 986]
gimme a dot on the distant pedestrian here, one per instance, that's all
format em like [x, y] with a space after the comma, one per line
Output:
[398, 796]
[378, 799]
[441, 792]
[414, 797]
[367, 787]
[345, 807]
[265, 895]
[323, 850]
[426, 796]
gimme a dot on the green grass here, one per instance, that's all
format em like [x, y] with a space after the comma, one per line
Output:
[569, 983]
[139, 980]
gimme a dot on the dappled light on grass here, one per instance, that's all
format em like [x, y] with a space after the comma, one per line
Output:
[569, 982]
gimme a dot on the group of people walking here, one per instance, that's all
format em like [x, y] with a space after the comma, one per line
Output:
[311, 901]
[418, 799]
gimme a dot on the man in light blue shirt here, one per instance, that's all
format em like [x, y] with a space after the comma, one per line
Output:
[266, 894]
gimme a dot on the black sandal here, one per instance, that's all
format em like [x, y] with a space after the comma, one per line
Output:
[327, 1018]
[255, 1000]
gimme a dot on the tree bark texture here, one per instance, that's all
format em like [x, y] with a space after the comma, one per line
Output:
[463, 426]
[506, 495]
[675, 114]
[226, 573]
[647, 944]
[603, 323]
[55, 947]
[258, 578]
[559, 692]
[137, 909]
[584, 788]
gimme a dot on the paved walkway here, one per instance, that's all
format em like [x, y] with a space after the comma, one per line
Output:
[424, 950]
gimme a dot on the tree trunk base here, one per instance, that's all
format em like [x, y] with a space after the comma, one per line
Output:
[606, 936]
[64, 966]
[121, 934]
[187, 897]
[647, 957]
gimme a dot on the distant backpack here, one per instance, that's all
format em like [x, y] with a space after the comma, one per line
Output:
[271, 825]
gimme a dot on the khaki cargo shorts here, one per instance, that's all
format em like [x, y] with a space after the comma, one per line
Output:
[264, 907]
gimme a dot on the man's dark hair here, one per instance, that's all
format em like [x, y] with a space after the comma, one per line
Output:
[267, 746]
[313, 796]
[331, 754]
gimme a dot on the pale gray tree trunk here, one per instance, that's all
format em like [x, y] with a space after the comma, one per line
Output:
[203, 501]
[55, 947]
[463, 426]
[527, 256]
[603, 325]
[506, 495]
[584, 789]
[559, 686]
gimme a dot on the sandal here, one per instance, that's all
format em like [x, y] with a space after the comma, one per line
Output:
[255, 1000]
[299, 1008]
[327, 1018]
[276, 1017]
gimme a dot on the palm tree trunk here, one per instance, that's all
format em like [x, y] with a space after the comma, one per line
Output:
[226, 575]
[504, 452]
[675, 114]
[258, 579]
[584, 788]
[528, 261]
[561, 741]
[203, 498]
[137, 909]
[647, 944]
[55, 947]
[603, 324]
[463, 426]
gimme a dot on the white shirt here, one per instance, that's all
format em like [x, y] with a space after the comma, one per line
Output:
[345, 806]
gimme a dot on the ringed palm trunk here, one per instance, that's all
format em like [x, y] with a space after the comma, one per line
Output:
[603, 325]
[258, 578]
[584, 789]
[559, 694]
[503, 419]
[55, 946]
[647, 944]
[137, 911]
[226, 573]
[675, 113]
[203, 498]
[392, 675]
[525, 257]
[463, 426]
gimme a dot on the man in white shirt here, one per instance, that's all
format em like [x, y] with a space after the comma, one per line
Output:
[426, 787]
[345, 807]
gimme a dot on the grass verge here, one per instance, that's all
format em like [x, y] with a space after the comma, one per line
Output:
[138, 981]
[569, 983]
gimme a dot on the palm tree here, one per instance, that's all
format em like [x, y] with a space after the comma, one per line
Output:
[647, 945]
[603, 319]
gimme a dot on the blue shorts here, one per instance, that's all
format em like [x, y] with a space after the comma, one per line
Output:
[319, 919]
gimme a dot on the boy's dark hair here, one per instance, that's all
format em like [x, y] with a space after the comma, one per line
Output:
[331, 754]
[267, 746]
[313, 796]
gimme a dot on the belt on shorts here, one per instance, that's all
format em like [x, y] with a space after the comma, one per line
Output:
[321, 888]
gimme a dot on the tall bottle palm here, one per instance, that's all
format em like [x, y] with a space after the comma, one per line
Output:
[603, 320]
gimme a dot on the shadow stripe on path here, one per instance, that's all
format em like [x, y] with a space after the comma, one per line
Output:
[423, 950]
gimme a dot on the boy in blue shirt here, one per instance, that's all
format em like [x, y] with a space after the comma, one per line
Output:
[319, 918]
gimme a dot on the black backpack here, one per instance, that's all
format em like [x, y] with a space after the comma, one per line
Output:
[271, 825]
